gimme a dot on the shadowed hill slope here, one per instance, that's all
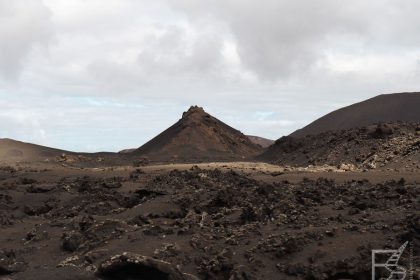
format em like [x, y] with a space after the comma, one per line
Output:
[383, 108]
[198, 136]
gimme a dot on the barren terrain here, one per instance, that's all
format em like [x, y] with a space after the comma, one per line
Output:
[208, 221]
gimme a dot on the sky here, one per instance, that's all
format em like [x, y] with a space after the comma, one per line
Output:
[105, 75]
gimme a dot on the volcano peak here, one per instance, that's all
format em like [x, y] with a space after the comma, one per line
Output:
[194, 110]
[198, 136]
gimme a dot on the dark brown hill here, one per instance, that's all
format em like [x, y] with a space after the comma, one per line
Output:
[383, 108]
[198, 136]
[392, 145]
[263, 142]
[13, 151]
[16, 151]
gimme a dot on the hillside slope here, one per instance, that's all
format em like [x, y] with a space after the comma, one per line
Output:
[383, 108]
[393, 145]
[17, 151]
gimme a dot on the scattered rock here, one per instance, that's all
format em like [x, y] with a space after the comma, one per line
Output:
[72, 241]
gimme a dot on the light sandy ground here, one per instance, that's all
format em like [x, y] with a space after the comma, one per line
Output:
[261, 171]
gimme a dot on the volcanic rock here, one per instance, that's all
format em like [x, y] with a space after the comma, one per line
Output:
[386, 145]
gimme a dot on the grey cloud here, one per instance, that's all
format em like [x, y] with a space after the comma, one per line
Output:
[175, 53]
[24, 24]
[276, 39]
[165, 60]
[283, 39]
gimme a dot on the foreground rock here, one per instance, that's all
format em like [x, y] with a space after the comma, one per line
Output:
[130, 266]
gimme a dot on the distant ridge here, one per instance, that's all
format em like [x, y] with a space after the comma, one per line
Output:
[126, 151]
[383, 108]
[263, 142]
[198, 136]
[13, 151]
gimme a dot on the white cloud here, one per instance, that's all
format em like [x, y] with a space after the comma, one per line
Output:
[23, 26]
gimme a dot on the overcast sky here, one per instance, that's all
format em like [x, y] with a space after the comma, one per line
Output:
[94, 75]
